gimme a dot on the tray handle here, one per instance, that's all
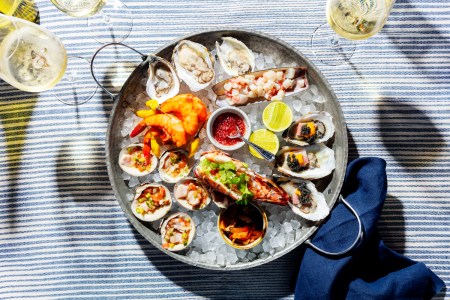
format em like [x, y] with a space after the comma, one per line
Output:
[143, 57]
[358, 239]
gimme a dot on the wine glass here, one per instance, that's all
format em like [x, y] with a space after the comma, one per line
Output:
[109, 21]
[348, 20]
[32, 59]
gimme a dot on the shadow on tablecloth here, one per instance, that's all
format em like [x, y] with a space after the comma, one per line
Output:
[409, 134]
[273, 280]
[15, 117]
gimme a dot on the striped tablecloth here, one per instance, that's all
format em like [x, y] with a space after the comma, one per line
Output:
[63, 235]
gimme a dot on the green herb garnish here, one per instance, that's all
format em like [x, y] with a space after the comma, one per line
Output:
[227, 175]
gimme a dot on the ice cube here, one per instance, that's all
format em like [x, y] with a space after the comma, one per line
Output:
[297, 105]
[133, 182]
[125, 176]
[306, 97]
[318, 99]
[295, 224]
[220, 259]
[314, 89]
[195, 255]
[298, 234]
[273, 243]
[156, 178]
[241, 253]
[290, 238]
[288, 227]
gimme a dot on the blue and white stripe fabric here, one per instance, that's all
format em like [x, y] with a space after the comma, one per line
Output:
[63, 234]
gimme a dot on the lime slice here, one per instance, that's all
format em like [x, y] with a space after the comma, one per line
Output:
[265, 139]
[277, 116]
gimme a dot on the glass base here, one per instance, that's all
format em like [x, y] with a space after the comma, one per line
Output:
[111, 24]
[330, 48]
[76, 87]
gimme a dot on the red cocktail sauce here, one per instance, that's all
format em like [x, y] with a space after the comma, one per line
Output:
[225, 125]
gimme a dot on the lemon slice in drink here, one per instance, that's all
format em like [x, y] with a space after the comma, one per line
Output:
[277, 116]
[265, 139]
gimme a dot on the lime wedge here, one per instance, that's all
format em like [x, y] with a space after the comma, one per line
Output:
[277, 116]
[265, 139]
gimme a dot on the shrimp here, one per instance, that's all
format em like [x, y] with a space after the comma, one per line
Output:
[170, 125]
[189, 109]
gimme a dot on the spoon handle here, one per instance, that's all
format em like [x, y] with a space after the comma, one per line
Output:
[270, 157]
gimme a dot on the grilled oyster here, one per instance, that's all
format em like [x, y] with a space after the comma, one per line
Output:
[312, 128]
[163, 82]
[235, 57]
[194, 64]
[312, 162]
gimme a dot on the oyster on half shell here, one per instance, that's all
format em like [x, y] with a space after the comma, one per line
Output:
[312, 128]
[235, 57]
[305, 200]
[163, 82]
[194, 64]
[312, 162]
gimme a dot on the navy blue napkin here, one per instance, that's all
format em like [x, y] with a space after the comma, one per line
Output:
[370, 271]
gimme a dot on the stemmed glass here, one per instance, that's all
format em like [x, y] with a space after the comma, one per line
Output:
[108, 21]
[348, 20]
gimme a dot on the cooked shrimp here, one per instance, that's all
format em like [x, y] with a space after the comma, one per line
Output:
[170, 125]
[189, 109]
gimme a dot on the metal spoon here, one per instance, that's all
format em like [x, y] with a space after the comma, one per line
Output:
[270, 157]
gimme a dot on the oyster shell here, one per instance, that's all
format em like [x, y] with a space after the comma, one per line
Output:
[173, 240]
[163, 82]
[235, 57]
[187, 198]
[169, 167]
[140, 208]
[312, 128]
[221, 200]
[312, 162]
[194, 64]
[272, 84]
[129, 165]
[305, 200]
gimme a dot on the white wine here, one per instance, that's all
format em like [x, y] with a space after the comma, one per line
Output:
[31, 58]
[358, 19]
[23, 9]
[79, 8]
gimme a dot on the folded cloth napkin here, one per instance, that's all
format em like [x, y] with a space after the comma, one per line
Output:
[370, 271]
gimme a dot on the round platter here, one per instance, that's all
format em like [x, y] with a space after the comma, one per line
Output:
[259, 43]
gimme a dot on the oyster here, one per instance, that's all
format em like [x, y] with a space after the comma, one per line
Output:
[151, 202]
[163, 82]
[194, 64]
[312, 162]
[177, 231]
[312, 128]
[191, 193]
[233, 178]
[305, 201]
[272, 84]
[133, 161]
[235, 57]
[173, 165]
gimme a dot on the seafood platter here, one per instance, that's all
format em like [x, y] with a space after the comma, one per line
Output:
[192, 187]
